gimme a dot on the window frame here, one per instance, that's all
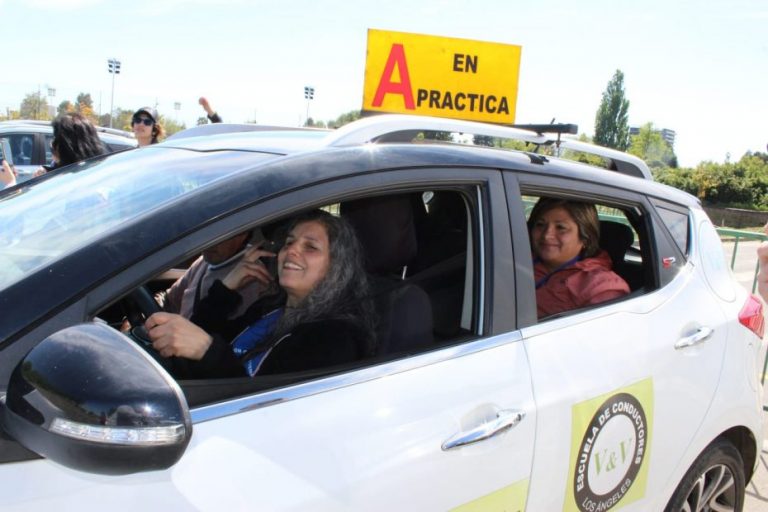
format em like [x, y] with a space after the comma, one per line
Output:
[523, 184]
[487, 204]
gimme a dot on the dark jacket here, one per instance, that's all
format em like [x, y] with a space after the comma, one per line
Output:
[321, 343]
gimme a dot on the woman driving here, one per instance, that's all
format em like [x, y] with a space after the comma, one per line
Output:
[321, 315]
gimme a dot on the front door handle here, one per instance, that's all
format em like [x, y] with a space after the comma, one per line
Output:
[700, 336]
[504, 421]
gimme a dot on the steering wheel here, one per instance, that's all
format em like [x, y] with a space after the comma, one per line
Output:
[141, 305]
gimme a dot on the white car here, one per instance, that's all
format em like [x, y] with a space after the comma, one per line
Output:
[646, 402]
[30, 143]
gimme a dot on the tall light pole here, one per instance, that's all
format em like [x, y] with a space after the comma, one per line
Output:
[51, 107]
[114, 69]
[309, 95]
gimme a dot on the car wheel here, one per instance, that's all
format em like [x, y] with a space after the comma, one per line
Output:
[716, 481]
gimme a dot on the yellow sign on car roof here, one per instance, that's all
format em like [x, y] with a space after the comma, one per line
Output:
[441, 76]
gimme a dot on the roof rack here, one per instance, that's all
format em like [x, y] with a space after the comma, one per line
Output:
[218, 128]
[384, 128]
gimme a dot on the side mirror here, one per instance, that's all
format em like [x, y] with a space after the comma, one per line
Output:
[90, 399]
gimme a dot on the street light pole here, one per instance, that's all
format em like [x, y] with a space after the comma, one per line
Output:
[309, 95]
[114, 69]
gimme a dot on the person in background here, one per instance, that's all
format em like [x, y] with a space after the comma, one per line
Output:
[146, 126]
[7, 176]
[762, 273]
[570, 269]
[323, 317]
[74, 139]
[213, 116]
[214, 264]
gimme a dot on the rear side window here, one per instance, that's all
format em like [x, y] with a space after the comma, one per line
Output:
[678, 225]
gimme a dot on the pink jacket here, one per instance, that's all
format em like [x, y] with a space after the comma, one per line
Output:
[589, 281]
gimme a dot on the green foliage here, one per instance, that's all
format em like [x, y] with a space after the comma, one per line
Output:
[201, 121]
[311, 123]
[171, 126]
[735, 184]
[483, 140]
[65, 107]
[611, 126]
[649, 145]
[347, 117]
[34, 106]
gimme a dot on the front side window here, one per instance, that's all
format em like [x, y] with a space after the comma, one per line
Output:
[419, 260]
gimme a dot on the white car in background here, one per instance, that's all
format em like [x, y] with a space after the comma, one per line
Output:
[30, 143]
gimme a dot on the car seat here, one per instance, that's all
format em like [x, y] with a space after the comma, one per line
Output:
[616, 238]
[385, 228]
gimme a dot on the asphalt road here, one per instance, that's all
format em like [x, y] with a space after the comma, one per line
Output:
[744, 270]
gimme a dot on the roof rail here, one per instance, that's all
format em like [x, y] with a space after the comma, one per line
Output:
[217, 128]
[385, 127]
[38, 122]
[115, 131]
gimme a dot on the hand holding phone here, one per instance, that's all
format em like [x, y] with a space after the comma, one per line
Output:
[251, 267]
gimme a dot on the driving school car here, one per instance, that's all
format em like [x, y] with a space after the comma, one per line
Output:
[646, 402]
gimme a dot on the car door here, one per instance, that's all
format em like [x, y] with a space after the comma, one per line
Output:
[447, 428]
[619, 393]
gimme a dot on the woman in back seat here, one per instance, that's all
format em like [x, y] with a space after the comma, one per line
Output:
[570, 269]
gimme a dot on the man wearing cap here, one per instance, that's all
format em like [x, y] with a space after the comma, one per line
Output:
[146, 127]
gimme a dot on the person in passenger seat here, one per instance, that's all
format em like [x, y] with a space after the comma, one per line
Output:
[323, 317]
[570, 268]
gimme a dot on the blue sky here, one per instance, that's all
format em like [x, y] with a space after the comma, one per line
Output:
[697, 67]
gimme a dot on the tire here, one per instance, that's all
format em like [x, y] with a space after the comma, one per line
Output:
[715, 482]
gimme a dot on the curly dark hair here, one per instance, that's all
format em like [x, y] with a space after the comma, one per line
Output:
[75, 139]
[344, 291]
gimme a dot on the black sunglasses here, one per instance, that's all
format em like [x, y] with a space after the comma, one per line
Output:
[147, 121]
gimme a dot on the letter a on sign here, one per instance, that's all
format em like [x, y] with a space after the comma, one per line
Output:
[387, 86]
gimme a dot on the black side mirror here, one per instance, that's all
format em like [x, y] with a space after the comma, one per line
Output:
[90, 399]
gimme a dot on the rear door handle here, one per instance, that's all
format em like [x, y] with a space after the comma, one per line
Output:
[504, 421]
[700, 336]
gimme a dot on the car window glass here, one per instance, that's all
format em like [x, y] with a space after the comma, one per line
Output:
[48, 150]
[51, 218]
[22, 147]
[420, 251]
[678, 225]
[561, 276]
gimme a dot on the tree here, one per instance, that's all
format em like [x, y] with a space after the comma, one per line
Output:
[34, 106]
[65, 107]
[611, 127]
[171, 126]
[348, 117]
[649, 145]
[483, 140]
[84, 107]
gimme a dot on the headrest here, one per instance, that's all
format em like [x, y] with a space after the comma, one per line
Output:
[615, 238]
[384, 226]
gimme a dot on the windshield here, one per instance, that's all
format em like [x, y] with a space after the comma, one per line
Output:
[53, 217]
